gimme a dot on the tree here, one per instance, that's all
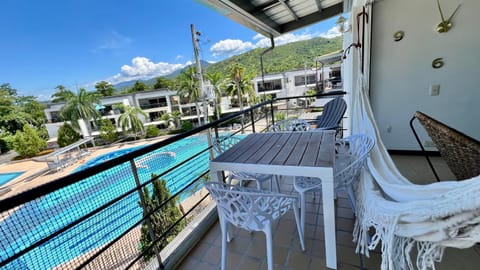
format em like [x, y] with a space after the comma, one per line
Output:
[108, 132]
[27, 142]
[152, 131]
[67, 135]
[161, 219]
[189, 86]
[216, 80]
[30, 105]
[80, 107]
[105, 89]
[17, 111]
[162, 83]
[138, 87]
[61, 95]
[176, 118]
[129, 120]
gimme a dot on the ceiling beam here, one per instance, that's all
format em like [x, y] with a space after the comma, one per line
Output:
[290, 10]
[256, 12]
[319, 5]
[312, 18]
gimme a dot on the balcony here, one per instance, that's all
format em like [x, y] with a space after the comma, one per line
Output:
[248, 250]
[93, 218]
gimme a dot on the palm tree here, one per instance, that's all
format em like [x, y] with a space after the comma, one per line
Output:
[176, 118]
[238, 84]
[216, 80]
[129, 120]
[81, 107]
[62, 94]
[188, 86]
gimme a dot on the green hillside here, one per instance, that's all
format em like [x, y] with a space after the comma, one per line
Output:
[286, 57]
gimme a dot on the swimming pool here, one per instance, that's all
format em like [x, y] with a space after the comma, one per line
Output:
[60, 208]
[7, 177]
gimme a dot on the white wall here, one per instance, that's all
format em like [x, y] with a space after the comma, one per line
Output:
[402, 72]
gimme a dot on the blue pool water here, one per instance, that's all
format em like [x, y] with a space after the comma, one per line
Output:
[7, 177]
[60, 208]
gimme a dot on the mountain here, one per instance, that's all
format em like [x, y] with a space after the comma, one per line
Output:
[286, 57]
[290, 56]
[127, 84]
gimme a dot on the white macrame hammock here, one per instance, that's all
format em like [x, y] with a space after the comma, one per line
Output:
[406, 215]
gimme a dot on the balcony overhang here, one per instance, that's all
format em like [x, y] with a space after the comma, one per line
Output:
[273, 18]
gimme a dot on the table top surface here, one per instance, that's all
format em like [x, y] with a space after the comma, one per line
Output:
[309, 149]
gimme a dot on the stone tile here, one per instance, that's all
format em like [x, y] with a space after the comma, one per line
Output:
[248, 250]
[250, 263]
[213, 255]
[199, 251]
[317, 264]
[233, 260]
[298, 260]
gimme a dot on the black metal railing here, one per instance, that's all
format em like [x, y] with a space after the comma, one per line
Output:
[105, 215]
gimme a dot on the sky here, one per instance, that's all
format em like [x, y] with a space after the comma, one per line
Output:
[77, 43]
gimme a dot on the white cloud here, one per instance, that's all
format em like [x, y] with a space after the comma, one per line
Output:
[178, 57]
[231, 47]
[283, 39]
[144, 68]
[331, 33]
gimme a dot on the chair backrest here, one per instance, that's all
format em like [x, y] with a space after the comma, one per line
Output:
[332, 114]
[351, 155]
[223, 143]
[460, 152]
[290, 125]
[248, 208]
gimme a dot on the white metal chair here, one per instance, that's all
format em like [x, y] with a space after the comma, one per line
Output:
[253, 210]
[222, 144]
[350, 156]
[290, 125]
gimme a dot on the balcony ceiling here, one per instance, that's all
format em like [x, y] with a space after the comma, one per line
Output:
[273, 18]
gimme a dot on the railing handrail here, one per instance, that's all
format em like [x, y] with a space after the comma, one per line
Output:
[44, 189]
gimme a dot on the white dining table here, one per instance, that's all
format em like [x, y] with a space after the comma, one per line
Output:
[310, 154]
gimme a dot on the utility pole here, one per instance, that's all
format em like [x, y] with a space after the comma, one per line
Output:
[199, 69]
[203, 91]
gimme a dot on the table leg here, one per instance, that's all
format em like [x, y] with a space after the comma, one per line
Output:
[329, 222]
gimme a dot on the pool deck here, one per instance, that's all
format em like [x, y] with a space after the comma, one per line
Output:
[38, 173]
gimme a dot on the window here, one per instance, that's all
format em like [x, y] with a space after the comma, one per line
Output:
[55, 117]
[270, 85]
[148, 103]
[300, 80]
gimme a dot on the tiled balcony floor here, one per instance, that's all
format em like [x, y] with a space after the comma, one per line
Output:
[248, 250]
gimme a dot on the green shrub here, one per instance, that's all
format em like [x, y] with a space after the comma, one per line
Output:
[28, 143]
[187, 125]
[161, 220]
[279, 116]
[152, 131]
[6, 143]
[108, 132]
[67, 135]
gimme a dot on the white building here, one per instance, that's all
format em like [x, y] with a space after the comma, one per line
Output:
[154, 103]
[297, 82]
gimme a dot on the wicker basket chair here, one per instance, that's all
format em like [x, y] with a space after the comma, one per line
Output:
[460, 152]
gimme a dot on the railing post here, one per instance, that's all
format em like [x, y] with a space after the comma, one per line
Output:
[147, 219]
[253, 121]
[287, 101]
[210, 144]
[271, 111]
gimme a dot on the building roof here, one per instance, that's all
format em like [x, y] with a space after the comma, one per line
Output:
[273, 18]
